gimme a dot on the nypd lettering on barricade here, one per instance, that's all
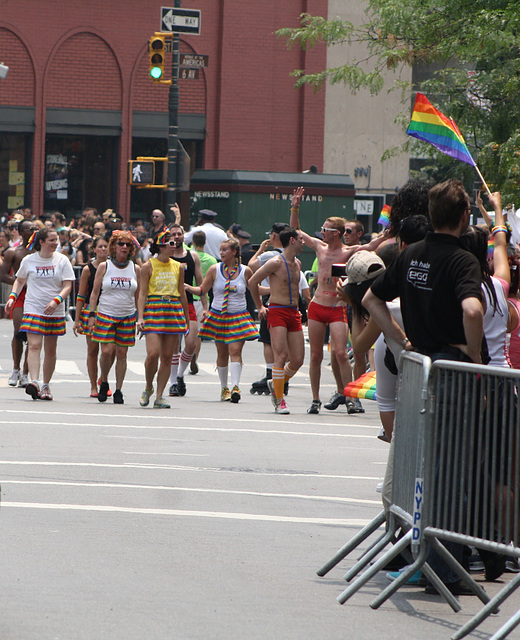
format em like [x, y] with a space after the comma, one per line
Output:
[417, 509]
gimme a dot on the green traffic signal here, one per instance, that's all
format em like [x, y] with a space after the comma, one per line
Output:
[156, 73]
[156, 51]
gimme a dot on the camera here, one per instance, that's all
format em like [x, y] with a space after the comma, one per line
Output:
[339, 270]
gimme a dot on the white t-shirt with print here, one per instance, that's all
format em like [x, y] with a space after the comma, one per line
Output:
[45, 278]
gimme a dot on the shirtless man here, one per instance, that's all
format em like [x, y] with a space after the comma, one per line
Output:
[9, 266]
[325, 308]
[283, 315]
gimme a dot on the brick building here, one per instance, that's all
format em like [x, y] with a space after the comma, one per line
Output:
[78, 103]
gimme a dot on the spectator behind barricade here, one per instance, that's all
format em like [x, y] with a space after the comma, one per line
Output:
[58, 220]
[157, 222]
[113, 223]
[513, 301]
[12, 228]
[411, 200]
[5, 236]
[215, 234]
[99, 229]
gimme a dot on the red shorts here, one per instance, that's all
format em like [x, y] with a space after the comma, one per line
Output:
[18, 304]
[326, 315]
[289, 317]
[191, 312]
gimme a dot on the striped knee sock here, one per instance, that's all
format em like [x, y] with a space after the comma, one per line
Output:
[278, 382]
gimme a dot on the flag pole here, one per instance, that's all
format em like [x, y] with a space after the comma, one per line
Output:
[482, 179]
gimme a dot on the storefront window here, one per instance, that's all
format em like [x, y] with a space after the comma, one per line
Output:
[79, 172]
[13, 166]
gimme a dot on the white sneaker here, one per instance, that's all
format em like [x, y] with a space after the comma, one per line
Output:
[13, 380]
[281, 406]
[24, 380]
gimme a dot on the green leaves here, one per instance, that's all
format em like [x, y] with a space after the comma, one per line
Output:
[471, 49]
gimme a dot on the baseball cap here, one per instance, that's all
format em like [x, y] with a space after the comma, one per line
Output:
[363, 266]
[208, 213]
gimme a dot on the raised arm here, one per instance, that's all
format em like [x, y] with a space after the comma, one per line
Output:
[500, 260]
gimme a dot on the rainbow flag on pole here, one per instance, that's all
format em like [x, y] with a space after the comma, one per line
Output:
[363, 387]
[384, 217]
[432, 126]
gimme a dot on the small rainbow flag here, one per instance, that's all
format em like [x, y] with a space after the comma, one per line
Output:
[363, 387]
[384, 217]
[432, 126]
[491, 248]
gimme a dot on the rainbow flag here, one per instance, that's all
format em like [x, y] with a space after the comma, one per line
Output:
[432, 126]
[384, 217]
[363, 387]
[491, 248]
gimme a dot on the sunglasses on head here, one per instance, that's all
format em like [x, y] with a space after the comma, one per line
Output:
[124, 244]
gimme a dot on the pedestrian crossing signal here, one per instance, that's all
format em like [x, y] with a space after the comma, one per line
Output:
[156, 55]
[140, 172]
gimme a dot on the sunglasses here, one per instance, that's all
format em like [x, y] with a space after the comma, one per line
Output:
[349, 231]
[124, 244]
[323, 229]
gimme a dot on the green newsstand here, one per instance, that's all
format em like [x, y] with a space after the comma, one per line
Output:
[257, 199]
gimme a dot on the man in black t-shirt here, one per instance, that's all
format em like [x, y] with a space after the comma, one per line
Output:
[439, 286]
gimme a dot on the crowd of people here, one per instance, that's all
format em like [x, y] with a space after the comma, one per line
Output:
[431, 283]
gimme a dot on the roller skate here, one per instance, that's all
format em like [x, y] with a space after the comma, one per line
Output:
[260, 386]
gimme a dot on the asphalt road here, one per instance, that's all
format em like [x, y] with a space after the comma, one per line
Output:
[208, 520]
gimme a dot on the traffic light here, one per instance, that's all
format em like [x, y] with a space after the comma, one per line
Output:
[156, 55]
[141, 172]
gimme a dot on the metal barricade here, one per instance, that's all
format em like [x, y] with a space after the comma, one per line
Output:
[472, 469]
[407, 448]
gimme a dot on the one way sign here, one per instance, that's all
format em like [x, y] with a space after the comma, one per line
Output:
[175, 20]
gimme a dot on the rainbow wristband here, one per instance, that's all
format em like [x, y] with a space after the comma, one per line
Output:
[80, 297]
[498, 228]
[13, 296]
[57, 299]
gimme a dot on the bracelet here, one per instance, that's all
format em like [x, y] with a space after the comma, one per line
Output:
[499, 228]
[295, 209]
[13, 296]
[80, 297]
[404, 342]
[92, 314]
[57, 299]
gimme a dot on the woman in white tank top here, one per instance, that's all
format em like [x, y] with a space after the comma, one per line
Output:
[113, 304]
[228, 322]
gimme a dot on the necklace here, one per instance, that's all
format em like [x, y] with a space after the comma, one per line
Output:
[121, 265]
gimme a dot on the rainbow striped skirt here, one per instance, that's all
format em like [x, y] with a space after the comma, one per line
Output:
[228, 327]
[111, 329]
[164, 315]
[44, 325]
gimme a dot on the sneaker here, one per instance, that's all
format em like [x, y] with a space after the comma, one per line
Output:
[103, 392]
[315, 407]
[174, 391]
[270, 384]
[181, 387]
[281, 407]
[109, 393]
[352, 407]
[225, 395]
[194, 367]
[512, 565]
[45, 393]
[145, 397]
[379, 487]
[335, 401]
[33, 390]
[24, 380]
[160, 403]
[235, 395]
[118, 397]
[413, 579]
[13, 378]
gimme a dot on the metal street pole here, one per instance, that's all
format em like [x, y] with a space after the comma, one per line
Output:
[173, 126]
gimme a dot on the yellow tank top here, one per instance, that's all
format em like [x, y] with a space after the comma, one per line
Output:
[164, 280]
